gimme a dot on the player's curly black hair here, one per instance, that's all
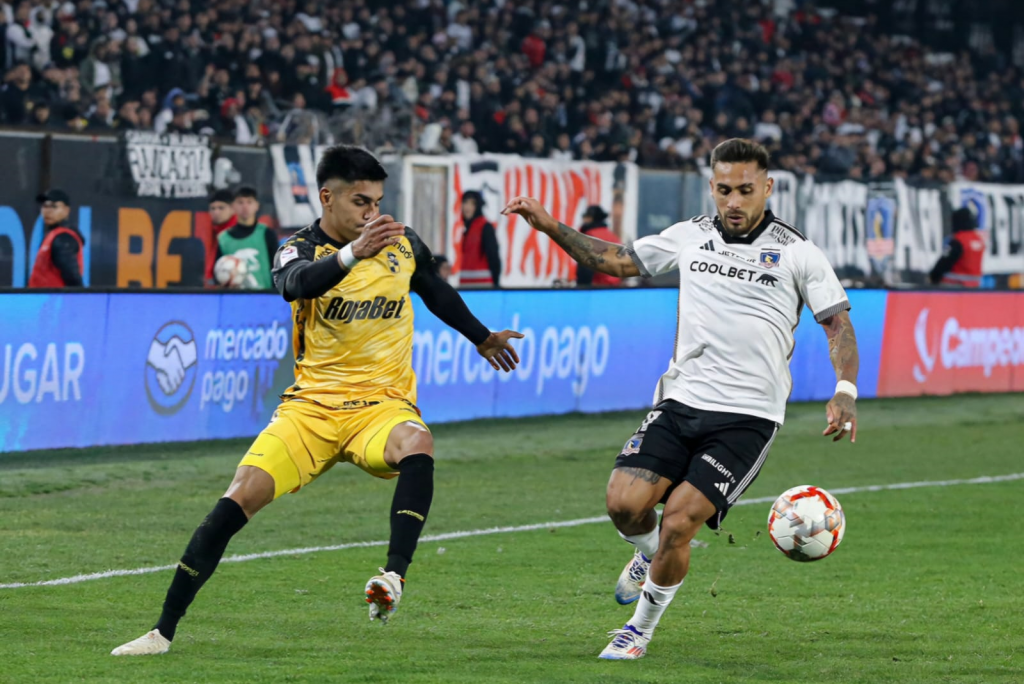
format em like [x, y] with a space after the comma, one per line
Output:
[740, 150]
[350, 164]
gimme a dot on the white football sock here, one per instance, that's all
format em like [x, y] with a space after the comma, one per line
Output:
[647, 543]
[653, 602]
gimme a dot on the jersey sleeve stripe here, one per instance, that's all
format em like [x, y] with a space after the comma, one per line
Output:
[832, 311]
[636, 260]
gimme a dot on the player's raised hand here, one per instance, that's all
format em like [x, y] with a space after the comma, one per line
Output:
[377, 234]
[841, 414]
[499, 352]
[534, 213]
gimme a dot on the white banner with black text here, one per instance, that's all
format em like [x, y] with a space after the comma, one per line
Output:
[169, 165]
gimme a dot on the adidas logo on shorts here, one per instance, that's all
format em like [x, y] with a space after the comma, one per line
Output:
[722, 487]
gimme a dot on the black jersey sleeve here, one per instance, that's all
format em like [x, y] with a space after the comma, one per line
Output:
[440, 297]
[297, 276]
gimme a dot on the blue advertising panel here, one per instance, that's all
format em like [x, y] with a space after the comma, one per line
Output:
[196, 367]
[813, 377]
[97, 369]
[101, 369]
[583, 351]
[51, 370]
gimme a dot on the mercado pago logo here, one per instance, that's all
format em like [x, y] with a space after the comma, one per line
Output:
[171, 367]
[548, 354]
[228, 365]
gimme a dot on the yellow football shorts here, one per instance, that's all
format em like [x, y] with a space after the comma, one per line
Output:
[304, 440]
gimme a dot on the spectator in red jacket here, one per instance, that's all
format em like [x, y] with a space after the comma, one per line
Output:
[961, 262]
[481, 259]
[59, 261]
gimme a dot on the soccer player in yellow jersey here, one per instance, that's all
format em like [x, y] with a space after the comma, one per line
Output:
[348, 278]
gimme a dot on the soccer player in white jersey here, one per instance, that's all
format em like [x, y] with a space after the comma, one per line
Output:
[745, 276]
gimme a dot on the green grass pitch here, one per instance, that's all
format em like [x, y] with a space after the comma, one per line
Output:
[926, 587]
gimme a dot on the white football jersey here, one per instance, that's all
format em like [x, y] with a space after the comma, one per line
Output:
[739, 302]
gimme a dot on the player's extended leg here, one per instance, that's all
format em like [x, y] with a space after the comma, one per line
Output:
[409, 450]
[685, 511]
[631, 496]
[251, 489]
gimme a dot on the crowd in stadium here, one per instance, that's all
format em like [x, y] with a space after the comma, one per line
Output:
[653, 81]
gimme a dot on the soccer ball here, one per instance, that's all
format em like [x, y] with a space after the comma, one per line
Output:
[806, 523]
[233, 271]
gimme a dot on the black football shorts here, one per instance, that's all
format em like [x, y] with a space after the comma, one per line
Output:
[718, 453]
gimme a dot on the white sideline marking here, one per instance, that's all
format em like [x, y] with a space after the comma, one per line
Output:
[987, 479]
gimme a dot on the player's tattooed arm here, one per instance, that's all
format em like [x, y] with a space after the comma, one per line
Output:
[842, 346]
[595, 254]
[599, 255]
[842, 349]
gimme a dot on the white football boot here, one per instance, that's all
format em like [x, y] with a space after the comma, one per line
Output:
[631, 581]
[383, 593]
[150, 643]
[627, 644]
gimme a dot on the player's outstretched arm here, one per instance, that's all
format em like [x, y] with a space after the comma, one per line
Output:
[444, 302]
[842, 349]
[599, 255]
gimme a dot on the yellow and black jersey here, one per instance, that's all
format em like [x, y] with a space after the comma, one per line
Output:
[353, 329]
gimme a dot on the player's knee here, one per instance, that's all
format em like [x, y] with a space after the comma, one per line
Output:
[625, 514]
[409, 438]
[678, 529]
[419, 445]
[252, 489]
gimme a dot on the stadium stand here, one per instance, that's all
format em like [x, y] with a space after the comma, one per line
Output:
[854, 88]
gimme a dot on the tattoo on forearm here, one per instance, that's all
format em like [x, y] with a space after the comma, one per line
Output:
[586, 250]
[642, 474]
[842, 347]
[595, 254]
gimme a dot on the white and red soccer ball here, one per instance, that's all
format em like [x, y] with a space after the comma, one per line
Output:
[234, 271]
[806, 523]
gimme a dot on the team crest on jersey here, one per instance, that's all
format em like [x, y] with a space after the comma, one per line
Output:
[770, 258]
[632, 446]
[393, 263]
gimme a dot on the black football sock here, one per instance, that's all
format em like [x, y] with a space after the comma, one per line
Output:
[201, 557]
[409, 509]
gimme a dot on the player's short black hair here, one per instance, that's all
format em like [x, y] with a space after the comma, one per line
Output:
[247, 191]
[739, 151]
[225, 196]
[349, 163]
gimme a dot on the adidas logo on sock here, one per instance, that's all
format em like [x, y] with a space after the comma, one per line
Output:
[709, 246]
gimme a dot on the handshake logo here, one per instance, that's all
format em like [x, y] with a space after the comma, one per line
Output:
[171, 368]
